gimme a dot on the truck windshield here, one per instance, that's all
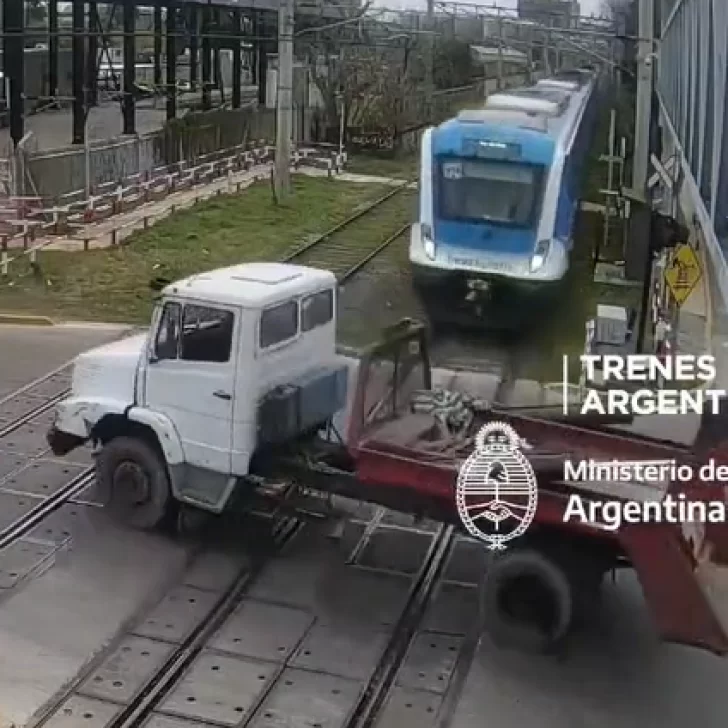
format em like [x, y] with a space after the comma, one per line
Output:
[480, 190]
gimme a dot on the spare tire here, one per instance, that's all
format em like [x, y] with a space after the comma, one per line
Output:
[528, 602]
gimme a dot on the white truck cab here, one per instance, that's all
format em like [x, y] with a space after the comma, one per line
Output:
[236, 359]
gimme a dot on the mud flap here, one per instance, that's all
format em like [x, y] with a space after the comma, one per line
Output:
[684, 568]
[688, 600]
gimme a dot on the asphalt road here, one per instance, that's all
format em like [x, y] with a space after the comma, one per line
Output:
[28, 352]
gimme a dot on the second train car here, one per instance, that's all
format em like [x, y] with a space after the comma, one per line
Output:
[499, 189]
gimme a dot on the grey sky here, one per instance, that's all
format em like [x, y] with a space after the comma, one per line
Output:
[587, 6]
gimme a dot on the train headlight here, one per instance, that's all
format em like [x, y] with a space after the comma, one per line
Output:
[428, 242]
[540, 254]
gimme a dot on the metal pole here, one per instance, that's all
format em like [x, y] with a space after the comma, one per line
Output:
[92, 57]
[157, 45]
[128, 106]
[284, 101]
[53, 47]
[550, 46]
[342, 124]
[87, 156]
[430, 62]
[342, 102]
[237, 58]
[13, 65]
[500, 53]
[171, 52]
[643, 105]
[206, 59]
[194, 21]
[261, 73]
[77, 72]
[216, 69]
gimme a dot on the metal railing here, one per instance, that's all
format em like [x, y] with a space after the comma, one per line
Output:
[76, 221]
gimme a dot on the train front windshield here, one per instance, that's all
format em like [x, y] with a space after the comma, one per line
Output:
[488, 191]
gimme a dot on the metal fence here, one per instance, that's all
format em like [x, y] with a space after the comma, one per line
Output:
[692, 65]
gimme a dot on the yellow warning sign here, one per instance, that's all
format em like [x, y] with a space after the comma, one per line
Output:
[683, 273]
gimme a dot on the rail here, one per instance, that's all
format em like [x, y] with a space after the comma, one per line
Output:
[213, 176]
[51, 392]
[348, 262]
[392, 659]
[155, 688]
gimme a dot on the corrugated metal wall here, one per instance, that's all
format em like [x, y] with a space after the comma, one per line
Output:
[691, 85]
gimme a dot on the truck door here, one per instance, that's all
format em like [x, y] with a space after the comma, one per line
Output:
[190, 379]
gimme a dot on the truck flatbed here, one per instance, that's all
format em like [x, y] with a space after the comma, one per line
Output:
[193, 415]
[408, 461]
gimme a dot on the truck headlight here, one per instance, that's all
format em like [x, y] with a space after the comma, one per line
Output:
[428, 242]
[540, 254]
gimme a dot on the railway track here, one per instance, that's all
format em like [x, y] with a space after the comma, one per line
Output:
[34, 399]
[155, 698]
[29, 402]
[333, 249]
[29, 407]
[151, 696]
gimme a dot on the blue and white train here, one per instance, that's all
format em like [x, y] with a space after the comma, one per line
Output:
[499, 190]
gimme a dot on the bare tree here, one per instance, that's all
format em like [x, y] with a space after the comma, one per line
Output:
[362, 70]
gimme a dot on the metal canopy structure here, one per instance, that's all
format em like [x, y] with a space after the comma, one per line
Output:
[203, 28]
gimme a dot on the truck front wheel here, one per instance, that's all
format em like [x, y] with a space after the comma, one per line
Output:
[132, 479]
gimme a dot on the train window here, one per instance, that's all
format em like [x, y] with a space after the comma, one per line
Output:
[278, 324]
[317, 310]
[489, 191]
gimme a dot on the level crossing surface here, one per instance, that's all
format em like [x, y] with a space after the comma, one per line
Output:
[90, 612]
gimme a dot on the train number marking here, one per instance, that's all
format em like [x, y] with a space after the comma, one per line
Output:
[452, 170]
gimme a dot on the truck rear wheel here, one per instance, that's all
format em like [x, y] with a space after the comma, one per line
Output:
[528, 601]
[133, 481]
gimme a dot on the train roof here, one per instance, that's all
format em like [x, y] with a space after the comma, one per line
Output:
[579, 75]
[526, 104]
[539, 92]
[558, 83]
[522, 116]
[504, 117]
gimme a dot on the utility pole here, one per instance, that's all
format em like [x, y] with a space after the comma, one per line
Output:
[643, 106]
[545, 53]
[500, 52]
[284, 105]
[430, 60]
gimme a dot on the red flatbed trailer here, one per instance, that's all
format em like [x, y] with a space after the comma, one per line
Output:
[397, 457]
